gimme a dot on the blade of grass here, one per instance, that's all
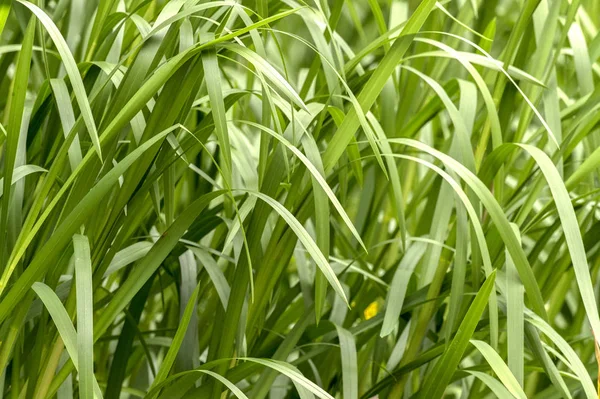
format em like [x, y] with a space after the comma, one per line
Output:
[72, 72]
[63, 325]
[435, 383]
[85, 315]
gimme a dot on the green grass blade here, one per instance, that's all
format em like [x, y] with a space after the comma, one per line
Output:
[85, 315]
[72, 72]
[435, 383]
[514, 317]
[63, 325]
[293, 374]
[349, 363]
[15, 118]
[213, 84]
[500, 368]
[169, 360]
[307, 241]
[20, 172]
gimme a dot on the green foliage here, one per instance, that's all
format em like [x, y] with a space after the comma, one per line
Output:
[288, 199]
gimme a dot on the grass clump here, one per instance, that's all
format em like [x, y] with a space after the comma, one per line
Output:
[280, 199]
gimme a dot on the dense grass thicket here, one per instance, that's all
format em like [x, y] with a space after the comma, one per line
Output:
[285, 199]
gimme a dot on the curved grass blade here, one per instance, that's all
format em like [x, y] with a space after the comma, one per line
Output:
[289, 371]
[72, 72]
[20, 172]
[215, 273]
[306, 240]
[397, 292]
[317, 176]
[495, 386]
[500, 368]
[63, 325]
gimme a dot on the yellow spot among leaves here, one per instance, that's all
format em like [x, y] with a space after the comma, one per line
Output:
[371, 310]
